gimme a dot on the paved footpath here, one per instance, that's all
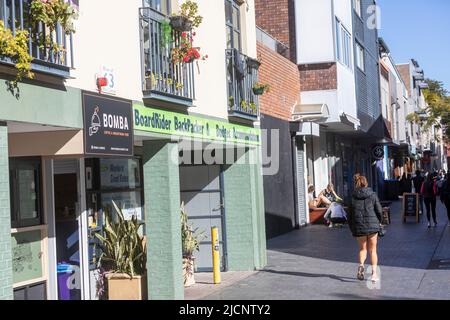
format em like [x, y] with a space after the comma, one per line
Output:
[321, 263]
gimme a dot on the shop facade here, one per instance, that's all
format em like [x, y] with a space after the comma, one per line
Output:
[61, 183]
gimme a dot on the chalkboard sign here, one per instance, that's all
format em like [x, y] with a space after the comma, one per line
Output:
[27, 256]
[411, 206]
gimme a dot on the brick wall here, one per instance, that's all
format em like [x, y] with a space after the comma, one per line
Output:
[277, 18]
[284, 79]
[403, 69]
[321, 76]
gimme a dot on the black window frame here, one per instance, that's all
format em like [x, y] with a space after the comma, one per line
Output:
[16, 164]
[153, 4]
[231, 25]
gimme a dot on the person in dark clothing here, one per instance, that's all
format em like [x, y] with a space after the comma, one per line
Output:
[429, 192]
[417, 182]
[365, 223]
[405, 184]
[445, 195]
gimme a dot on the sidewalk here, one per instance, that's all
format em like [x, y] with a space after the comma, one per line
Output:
[320, 263]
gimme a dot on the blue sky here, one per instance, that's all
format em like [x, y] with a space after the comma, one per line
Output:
[421, 30]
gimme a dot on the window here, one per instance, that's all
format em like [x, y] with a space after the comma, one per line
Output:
[162, 6]
[233, 24]
[343, 45]
[357, 7]
[360, 57]
[25, 192]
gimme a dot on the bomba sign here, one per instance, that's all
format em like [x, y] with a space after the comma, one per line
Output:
[108, 125]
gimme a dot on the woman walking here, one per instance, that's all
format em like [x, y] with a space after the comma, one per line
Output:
[429, 192]
[365, 223]
[445, 195]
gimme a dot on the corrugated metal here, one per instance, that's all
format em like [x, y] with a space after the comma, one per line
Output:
[65, 166]
[301, 192]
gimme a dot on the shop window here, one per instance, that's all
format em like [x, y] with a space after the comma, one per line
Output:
[25, 192]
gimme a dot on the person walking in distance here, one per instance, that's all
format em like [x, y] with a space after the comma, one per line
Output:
[417, 181]
[429, 192]
[365, 223]
[445, 195]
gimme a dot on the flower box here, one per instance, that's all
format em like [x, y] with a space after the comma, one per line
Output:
[181, 23]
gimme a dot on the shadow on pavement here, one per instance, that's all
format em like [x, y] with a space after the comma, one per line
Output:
[311, 275]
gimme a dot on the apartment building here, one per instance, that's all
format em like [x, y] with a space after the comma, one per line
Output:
[103, 120]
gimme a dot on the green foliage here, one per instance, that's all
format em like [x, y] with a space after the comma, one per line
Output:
[190, 239]
[123, 248]
[52, 12]
[437, 113]
[166, 33]
[16, 48]
[261, 86]
[189, 10]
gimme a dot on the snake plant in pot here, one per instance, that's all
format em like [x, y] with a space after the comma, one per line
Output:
[124, 256]
[190, 243]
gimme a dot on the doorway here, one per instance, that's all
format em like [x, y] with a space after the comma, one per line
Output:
[67, 230]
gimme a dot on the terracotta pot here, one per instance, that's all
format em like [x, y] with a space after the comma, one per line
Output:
[180, 23]
[122, 287]
[188, 271]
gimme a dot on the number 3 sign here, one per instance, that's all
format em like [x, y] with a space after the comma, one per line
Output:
[108, 73]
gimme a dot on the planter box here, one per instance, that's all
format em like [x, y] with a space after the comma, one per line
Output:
[240, 2]
[122, 287]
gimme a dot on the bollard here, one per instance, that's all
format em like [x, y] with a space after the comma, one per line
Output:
[215, 254]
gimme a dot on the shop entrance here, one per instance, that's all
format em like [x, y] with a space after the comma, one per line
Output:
[201, 190]
[67, 230]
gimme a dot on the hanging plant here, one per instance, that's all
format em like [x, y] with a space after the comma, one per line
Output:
[52, 13]
[166, 34]
[188, 17]
[260, 88]
[186, 52]
[16, 49]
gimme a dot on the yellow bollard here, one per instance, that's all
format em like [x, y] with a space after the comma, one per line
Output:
[215, 254]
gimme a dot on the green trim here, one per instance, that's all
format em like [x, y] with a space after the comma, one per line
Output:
[177, 124]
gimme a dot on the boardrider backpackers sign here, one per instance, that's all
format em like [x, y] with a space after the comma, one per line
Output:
[108, 125]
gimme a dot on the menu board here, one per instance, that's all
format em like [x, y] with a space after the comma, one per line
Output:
[26, 256]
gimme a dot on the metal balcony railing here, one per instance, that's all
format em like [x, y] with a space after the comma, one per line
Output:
[15, 15]
[242, 74]
[163, 80]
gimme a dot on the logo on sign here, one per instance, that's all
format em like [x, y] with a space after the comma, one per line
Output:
[95, 122]
[378, 153]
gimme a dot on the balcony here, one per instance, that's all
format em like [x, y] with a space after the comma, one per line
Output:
[242, 74]
[165, 83]
[46, 58]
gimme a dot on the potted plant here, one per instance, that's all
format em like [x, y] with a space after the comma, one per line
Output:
[185, 52]
[190, 241]
[260, 88]
[188, 17]
[124, 256]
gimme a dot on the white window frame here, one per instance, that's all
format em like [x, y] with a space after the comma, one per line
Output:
[360, 57]
[357, 6]
[343, 44]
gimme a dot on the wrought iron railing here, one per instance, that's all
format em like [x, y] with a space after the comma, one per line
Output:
[242, 75]
[163, 79]
[52, 51]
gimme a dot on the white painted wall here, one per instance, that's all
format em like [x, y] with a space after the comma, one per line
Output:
[346, 92]
[108, 35]
[328, 97]
[314, 31]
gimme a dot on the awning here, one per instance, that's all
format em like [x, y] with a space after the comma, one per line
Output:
[310, 112]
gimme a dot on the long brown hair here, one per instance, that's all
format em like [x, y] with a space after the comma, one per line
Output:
[360, 181]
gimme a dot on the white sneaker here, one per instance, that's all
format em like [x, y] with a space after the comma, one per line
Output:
[429, 225]
[330, 226]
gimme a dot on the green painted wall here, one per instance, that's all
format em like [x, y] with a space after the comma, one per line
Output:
[162, 218]
[6, 280]
[244, 209]
[56, 105]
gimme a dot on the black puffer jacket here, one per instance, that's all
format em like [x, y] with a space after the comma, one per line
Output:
[366, 214]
